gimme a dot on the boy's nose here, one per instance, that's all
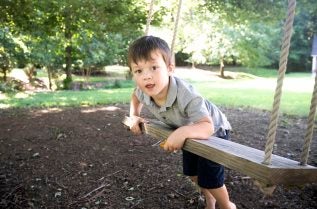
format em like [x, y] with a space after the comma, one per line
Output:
[147, 74]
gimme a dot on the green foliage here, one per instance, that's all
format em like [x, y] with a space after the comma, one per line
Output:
[108, 50]
[13, 51]
[17, 15]
[5, 63]
[208, 37]
[258, 45]
[98, 32]
[67, 83]
[248, 33]
[304, 29]
[236, 11]
[11, 86]
[48, 51]
[181, 58]
[100, 28]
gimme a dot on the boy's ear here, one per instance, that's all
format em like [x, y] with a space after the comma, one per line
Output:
[171, 68]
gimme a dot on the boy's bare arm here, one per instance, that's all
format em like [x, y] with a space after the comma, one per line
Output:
[135, 106]
[201, 129]
[135, 111]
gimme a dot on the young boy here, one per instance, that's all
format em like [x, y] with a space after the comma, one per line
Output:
[178, 105]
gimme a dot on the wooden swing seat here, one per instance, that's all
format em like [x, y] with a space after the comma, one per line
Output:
[241, 158]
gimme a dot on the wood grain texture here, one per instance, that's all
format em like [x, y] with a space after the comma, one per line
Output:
[241, 158]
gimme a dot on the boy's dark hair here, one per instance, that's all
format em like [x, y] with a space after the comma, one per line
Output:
[142, 48]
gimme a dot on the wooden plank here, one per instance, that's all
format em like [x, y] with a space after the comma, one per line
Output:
[244, 159]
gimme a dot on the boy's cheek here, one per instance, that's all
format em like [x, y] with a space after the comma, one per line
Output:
[137, 81]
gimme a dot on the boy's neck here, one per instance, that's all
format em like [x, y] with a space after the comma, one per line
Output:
[160, 100]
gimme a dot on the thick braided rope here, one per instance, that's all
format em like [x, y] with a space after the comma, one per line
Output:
[310, 126]
[288, 26]
[176, 26]
[149, 18]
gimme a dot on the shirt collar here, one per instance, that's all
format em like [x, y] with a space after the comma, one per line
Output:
[172, 92]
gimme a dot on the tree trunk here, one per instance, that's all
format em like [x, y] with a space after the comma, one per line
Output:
[4, 72]
[49, 75]
[193, 65]
[68, 62]
[222, 68]
[68, 49]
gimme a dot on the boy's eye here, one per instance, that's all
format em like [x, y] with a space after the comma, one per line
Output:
[154, 68]
[137, 71]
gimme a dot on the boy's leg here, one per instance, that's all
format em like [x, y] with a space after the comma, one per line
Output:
[190, 166]
[211, 176]
[210, 179]
[219, 195]
[222, 197]
[209, 198]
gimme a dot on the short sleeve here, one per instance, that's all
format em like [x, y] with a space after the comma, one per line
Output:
[196, 109]
[139, 94]
[143, 98]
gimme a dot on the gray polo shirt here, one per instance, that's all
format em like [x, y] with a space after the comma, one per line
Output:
[184, 106]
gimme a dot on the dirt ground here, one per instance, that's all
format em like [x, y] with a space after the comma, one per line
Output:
[85, 158]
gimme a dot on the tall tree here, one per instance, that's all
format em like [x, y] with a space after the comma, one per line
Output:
[304, 29]
[68, 20]
[240, 10]
[270, 15]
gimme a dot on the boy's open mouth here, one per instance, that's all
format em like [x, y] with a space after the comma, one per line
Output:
[149, 86]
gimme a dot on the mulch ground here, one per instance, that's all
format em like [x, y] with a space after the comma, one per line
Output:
[85, 158]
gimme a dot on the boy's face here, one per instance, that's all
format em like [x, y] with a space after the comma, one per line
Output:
[152, 76]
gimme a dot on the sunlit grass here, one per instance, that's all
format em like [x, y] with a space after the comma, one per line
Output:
[254, 90]
[113, 72]
[71, 98]
[249, 90]
[294, 103]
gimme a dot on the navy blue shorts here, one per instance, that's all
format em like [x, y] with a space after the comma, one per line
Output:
[210, 175]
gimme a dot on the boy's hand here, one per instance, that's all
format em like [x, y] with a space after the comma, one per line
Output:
[173, 143]
[135, 124]
[201, 129]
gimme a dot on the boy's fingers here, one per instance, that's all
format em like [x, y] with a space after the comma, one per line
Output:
[135, 124]
[163, 143]
[136, 130]
[142, 120]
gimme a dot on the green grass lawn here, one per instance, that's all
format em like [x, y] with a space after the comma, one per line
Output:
[256, 91]
[66, 98]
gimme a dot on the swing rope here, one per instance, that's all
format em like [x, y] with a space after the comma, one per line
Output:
[288, 26]
[176, 26]
[149, 18]
[310, 126]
